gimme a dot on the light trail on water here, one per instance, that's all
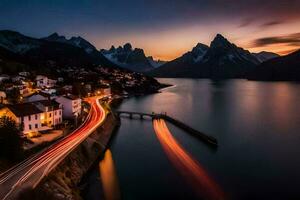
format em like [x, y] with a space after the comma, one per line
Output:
[192, 171]
[109, 177]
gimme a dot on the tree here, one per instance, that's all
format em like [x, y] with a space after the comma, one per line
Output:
[10, 141]
[14, 95]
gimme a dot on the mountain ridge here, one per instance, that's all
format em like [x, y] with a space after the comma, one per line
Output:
[222, 59]
[128, 57]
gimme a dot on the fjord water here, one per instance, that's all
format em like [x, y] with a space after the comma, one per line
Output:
[257, 125]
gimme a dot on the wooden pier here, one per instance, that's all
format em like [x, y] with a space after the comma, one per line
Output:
[204, 137]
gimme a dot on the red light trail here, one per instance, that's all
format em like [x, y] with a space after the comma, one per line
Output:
[31, 171]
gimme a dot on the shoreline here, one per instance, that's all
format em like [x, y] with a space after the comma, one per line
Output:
[167, 87]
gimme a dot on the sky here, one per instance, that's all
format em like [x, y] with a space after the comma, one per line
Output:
[165, 29]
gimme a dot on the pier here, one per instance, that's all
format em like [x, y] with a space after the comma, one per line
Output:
[204, 137]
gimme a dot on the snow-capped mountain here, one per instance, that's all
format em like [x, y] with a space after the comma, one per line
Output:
[264, 56]
[129, 58]
[75, 41]
[55, 51]
[221, 60]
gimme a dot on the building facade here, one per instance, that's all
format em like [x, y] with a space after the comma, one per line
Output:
[35, 116]
[71, 105]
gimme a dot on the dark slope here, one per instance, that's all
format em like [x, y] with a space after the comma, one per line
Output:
[285, 68]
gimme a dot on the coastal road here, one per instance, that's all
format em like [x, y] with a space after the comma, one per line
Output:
[190, 169]
[30, 172]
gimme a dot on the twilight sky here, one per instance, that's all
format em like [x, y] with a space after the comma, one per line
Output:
[165, 29]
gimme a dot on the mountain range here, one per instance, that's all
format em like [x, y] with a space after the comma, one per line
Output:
[43, 54]
[129, 58]
[284, 68]
[222, 59]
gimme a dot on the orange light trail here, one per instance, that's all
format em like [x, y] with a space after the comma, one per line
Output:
[187, 166]
[109, 177]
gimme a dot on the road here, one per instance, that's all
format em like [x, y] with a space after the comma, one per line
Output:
[198, 178]
[30, 172]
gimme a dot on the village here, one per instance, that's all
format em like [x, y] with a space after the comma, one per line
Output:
[47, 108]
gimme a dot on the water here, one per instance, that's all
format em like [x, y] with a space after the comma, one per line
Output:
[257, 125]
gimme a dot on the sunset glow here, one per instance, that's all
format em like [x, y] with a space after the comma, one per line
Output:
[164, 29]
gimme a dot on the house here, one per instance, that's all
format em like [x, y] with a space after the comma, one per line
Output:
[71, 105]
[27, 115]
[45, 82]
[24, 74]
[36, 116]
[52, 112]
[38, 96]
[51, 91]
[24, 90]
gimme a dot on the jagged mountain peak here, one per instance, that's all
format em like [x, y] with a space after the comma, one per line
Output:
[112, 48]
[201, 46]
[75, 41]
[220, 42]
[128, 57]
[55, 37]
[127, 47]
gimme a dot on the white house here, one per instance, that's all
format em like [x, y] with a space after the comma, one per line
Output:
[71, 105]
[52, 112]
[45, 82]
[36, 116]
[27, 115]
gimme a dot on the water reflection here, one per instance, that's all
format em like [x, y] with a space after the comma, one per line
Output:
[187, 166]
[109, 177]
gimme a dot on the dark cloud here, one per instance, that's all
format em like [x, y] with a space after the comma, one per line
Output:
[272, 23]
[291, 39]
